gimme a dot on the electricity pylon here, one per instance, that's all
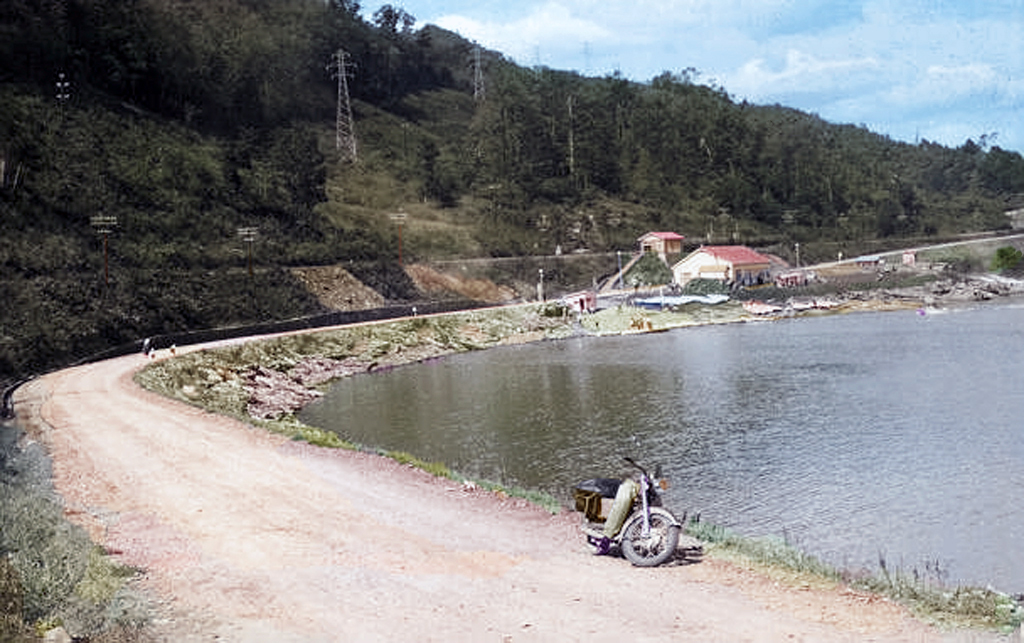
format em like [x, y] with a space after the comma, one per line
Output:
[345, 135]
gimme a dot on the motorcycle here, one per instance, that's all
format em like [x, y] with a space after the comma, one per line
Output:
[649, 534]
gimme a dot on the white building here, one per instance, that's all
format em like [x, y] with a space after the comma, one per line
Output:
[731, 264]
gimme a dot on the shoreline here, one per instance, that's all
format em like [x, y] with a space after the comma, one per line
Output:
[280, 386]
[296, 372]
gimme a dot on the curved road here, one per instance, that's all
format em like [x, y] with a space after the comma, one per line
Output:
[245, 536]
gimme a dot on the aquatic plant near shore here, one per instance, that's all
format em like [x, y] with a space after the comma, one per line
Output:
[926, 594]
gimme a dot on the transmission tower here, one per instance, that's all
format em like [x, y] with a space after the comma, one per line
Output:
[478, 75]
[345, 135]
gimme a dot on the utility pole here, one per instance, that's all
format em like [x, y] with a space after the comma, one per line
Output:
[249, 235]
[104, 224]
[399, 219]
[478, 76]
[345, 136]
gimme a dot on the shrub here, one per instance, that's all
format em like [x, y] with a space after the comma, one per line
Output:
[706, 287]
[1006, 258]
[650, 270]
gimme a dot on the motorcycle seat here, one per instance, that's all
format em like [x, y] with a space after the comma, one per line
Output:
[604, 487]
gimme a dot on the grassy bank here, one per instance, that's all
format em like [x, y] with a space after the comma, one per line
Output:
[51, 573]
[922, 591]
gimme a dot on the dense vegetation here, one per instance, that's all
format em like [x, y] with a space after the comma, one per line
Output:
[189, 120]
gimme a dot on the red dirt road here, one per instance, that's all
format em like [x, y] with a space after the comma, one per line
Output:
[246, 537]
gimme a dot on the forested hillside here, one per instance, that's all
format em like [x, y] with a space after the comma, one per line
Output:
[189, 120]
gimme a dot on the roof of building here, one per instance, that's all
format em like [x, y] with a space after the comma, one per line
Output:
[736, 255]
[665, 236]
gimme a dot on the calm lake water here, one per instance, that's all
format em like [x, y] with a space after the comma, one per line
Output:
[896, 434]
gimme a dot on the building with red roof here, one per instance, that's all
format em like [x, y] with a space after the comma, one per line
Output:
[662, 243]
[731, 264]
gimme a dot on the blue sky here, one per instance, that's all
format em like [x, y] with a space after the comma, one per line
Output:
[940, 70]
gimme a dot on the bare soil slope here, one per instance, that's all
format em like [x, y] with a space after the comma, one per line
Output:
[246, 537]
[336, 288]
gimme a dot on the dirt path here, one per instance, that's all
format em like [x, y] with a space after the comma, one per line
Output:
[247, 537]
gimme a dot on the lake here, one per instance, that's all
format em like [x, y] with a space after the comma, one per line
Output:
[897, 435]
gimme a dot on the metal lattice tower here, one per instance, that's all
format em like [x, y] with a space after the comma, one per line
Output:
[345, 135]
[478, 75]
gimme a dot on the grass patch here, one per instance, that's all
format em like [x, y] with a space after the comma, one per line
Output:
[290, 427]
[438, 469]
[929, 597]
[923, 593]
[770, 552]
[539, 498]
[51, 573]
[441, 470]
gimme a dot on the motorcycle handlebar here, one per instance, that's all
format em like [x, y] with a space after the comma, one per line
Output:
[632, 462]
[657, 470]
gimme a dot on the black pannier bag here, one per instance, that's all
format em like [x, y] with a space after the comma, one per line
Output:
[589, 493]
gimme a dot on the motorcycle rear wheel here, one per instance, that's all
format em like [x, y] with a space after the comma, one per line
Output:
[658, 546]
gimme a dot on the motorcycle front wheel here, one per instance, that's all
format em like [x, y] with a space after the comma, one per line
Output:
[657, 546]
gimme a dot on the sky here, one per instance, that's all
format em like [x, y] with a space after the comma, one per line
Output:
[938, 70]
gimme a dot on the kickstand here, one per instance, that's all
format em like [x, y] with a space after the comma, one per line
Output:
[602, 544]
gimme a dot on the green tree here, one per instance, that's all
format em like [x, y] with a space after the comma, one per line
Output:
[389, 17]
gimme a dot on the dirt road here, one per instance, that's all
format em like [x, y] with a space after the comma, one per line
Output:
[246, 537]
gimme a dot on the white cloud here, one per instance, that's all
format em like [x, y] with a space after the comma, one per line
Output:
[952, 82]
[551, 26]
[903, 71]
[640, 38]
[801, 73]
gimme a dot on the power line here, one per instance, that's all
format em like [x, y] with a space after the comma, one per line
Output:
[345, 136]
